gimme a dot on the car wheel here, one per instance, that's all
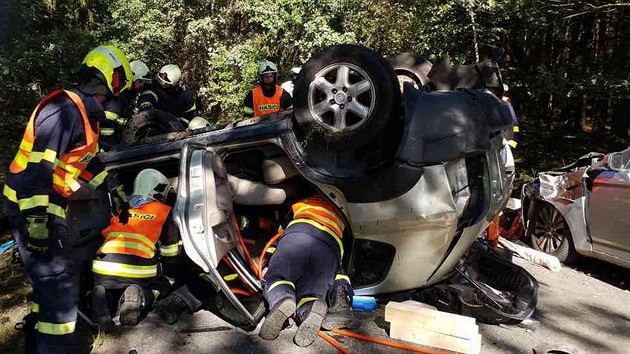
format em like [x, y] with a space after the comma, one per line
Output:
[410, 68]
[549, 233]
[346, 93]
[148, 123]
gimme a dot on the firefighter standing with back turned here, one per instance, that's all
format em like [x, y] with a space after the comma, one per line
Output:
[58, 148]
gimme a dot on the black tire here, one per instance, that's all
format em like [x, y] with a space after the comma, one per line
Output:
[410, 67]
[342, 71]
[148, 123]
[549, 233]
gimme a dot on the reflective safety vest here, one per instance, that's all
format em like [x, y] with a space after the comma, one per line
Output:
[318, 212]
[137, 238]
[265, 105]
[72, 163]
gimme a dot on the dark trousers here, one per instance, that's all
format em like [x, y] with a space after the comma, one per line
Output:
[55, 283]
[302, 267]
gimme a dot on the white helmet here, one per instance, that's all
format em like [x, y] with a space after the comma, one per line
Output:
[267, 67]
[140, 70]
[152, 184]
[198, 123]
[169, 75]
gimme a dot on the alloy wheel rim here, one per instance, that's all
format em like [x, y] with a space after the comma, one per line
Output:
[341, 97]
[549, 231]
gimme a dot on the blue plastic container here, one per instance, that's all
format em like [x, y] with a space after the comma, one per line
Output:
[363, 303]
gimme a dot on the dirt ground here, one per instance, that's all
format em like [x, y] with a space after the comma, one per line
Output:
[584, 308]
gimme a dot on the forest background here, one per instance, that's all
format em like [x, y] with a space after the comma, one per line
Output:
[566, 62]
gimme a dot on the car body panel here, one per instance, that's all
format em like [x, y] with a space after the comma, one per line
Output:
[593, 200]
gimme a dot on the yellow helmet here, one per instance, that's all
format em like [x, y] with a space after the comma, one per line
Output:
[112, 65]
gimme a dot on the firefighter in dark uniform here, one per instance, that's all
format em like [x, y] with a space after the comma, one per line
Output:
[167, 93]
[268, 97]
[126, 266]
[302, 269]
[121, 108]
[58, 148]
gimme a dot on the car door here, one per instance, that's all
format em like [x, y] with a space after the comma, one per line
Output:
[608, 212]
[204, 215]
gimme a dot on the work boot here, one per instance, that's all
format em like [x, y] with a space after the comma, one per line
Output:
[276, 318]
[340, 314]
[28, 325]
[170, 308]
[100, 310]
[310, 324]
[131, 305]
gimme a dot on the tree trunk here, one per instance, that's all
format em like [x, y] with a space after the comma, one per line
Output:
[619, 126]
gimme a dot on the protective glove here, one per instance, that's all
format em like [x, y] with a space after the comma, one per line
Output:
[37, 233]
[119, 204]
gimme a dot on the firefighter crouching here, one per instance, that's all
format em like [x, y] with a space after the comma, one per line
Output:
[58, 148]
[302, 270]
[126, 266]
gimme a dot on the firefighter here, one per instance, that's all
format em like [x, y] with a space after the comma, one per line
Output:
[58, 148]
[121, 108]
[302, 269]
[126, 266]
[166, 92]
[268, 96]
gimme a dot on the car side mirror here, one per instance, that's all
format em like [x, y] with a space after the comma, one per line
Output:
[615, 161]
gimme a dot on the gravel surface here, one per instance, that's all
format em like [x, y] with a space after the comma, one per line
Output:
[575, 310]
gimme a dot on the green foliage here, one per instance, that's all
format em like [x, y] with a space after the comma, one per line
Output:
[218, 44]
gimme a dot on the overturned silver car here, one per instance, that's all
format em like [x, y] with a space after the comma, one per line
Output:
[418, 175]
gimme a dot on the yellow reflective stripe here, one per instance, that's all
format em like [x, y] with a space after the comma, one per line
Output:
[343, 277]
[314, 216]
[112, 247]
[305, 300]
[107, 131]
[230, 277]
[56, 210]
[112, 236]
[35, 307]
[281, 282]
[48, 155]
[248, 110]
[114, 117]
[516, 129]
[194, 106]
[57, 329]
[10, 193]
[512, 143]
[25, 145]
[98, 179]
[71, 169]
[33, 202]
[123, 270]
[321, 227]
[21, 159]
[156, 293]
[149, 92]
[271, 250]
[170, 250]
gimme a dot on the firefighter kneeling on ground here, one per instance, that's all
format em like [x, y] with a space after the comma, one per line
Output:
[126, 266]
[303, 267]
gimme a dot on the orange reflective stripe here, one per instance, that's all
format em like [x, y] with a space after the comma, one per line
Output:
[324, 221]
[125, 249]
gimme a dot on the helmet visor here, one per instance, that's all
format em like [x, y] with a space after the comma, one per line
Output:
[119, 80]
[163, 80]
